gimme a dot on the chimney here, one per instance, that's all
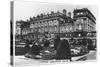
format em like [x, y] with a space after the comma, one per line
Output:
[64, 12]
[69, 14]
[41, 15]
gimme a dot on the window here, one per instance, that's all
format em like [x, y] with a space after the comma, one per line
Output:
[81, 13]
[32, 26]
[46, 24]
[50, 23]
[82, 21]
[70, 28]
[55, 22]
[77, 13]
[79, 35]
[80, 27]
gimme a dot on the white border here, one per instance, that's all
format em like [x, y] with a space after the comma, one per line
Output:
[5, 40]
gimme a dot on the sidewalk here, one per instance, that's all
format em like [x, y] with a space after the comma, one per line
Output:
[21, 60]
[90, 56]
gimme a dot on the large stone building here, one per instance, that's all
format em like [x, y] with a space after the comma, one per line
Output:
[53, 23]
[57, 23]
[84, 25]
[84, 22]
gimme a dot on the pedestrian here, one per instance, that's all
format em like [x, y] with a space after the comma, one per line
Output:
[84, 42]
[56, 42]
[63, 51]
[72, 41]
[46, 43]
[27, 47]
[90, 44]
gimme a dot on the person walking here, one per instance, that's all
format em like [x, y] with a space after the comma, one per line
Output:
[46, 43]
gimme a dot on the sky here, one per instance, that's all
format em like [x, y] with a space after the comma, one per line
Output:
[23, 10]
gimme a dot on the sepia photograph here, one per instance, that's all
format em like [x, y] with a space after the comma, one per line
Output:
[46, 33]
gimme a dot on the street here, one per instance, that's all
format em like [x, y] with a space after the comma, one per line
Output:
[21, 60]
[90, 56]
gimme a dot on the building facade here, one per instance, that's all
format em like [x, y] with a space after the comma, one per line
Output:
[84, 21]
[84, 25]
[54, 23]
[22, 29]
